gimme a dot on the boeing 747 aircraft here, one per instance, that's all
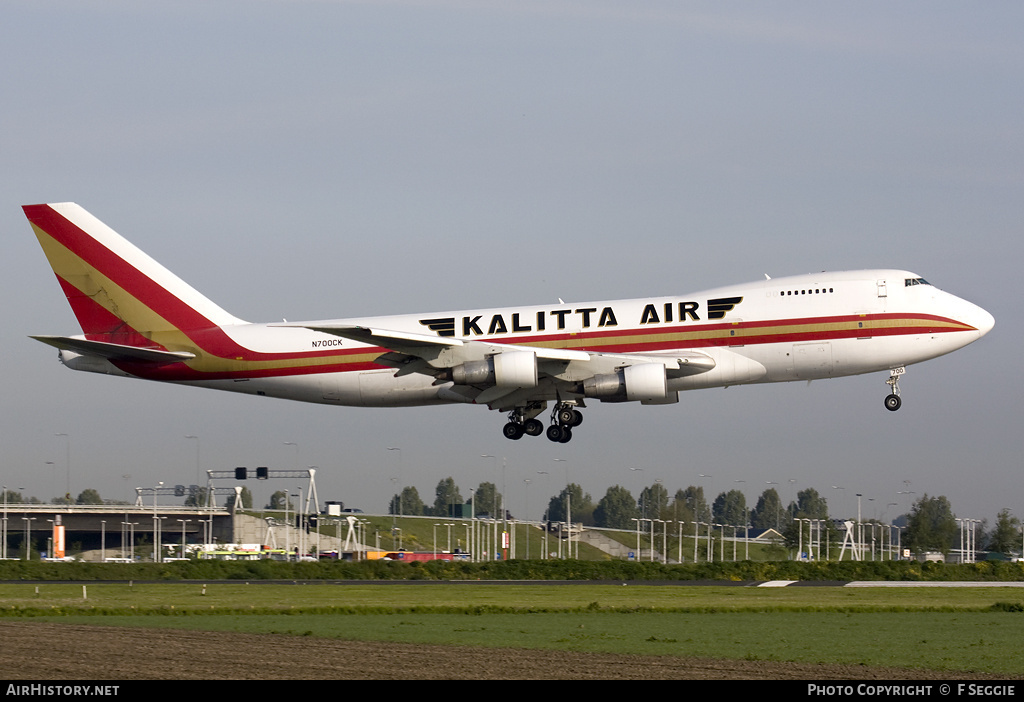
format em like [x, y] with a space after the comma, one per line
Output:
[141, 321]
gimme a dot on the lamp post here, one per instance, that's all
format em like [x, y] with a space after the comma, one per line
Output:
[526, 510]
[198, 473]
[568, 504]
[3, 531]
[696, 538]
[494, 511]
[156, 525]
[67, 492]
[183, 523]
[860, 531]
[28, 537]
[744, 519]
[545, 516]
[400, 506]
[643, 511]
[778, 504]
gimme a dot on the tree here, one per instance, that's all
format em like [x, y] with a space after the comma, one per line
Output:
[809, 505]
[488, 500]
[689, 505]
[730, 508]
[931, 525]
[653, 501]
[768, 512]
[279, 500]
[89, 496]
[1006, 536]
[445, 496]
[581, 505]
[616, 510]
[407, 502]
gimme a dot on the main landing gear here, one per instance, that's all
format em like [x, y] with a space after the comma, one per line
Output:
[892, 400]
[563, 418]
[517, 426]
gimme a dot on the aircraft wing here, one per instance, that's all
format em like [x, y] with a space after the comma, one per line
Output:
[115, 352]
[506, 375]
[385, 338]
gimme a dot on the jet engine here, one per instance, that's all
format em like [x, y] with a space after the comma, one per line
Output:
[644, 381]
[508, 369]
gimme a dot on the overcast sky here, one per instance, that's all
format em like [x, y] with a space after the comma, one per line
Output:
[319, 159]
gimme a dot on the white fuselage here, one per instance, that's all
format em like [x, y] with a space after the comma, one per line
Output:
[794, 328]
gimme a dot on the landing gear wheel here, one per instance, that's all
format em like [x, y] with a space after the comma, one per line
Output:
[566, 416]
[893, 401]
[559, 434]
[533, 427]
[513, 431]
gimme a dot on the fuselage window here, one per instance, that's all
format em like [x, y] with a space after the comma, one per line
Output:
[816, 291]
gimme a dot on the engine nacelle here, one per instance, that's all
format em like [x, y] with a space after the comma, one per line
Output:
[508, 369]
[515, 369]
[474, 373]
[643, 381]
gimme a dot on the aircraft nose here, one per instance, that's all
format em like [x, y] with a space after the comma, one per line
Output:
[977, 317]
[983, 321]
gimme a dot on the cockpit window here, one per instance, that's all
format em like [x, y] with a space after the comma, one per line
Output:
[915, 281]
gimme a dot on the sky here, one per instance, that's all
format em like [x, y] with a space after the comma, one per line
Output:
[313, 159]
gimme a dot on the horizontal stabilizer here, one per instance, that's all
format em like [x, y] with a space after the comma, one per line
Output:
[115, 352]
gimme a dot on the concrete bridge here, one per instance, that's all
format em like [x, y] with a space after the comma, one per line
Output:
[111, 524]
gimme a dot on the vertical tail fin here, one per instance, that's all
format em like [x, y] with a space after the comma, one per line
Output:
[118, 293]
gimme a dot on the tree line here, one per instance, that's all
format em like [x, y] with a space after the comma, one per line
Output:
[930, 524]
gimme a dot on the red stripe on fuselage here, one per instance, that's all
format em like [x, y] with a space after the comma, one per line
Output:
[711, 333]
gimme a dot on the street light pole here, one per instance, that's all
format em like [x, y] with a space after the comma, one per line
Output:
[400, 506]
[198, 473]
[67, 492]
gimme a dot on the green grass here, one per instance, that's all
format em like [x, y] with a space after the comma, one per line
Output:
[19, 599]
[952, 629]
[984, 642]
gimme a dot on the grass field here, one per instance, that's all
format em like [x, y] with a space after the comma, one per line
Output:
[959, 629]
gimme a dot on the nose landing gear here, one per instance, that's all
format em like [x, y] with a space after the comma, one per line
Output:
[892, 400]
